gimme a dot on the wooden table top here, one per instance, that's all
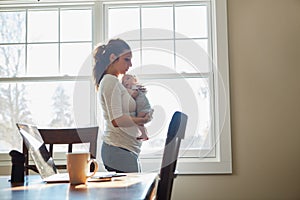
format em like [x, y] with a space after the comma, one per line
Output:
[130, 187]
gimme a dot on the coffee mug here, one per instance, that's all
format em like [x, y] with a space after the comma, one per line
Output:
[78, 165]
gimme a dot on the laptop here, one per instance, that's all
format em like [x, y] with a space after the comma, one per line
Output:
[44, 162]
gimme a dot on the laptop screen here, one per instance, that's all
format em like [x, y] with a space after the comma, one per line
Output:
[37, 149]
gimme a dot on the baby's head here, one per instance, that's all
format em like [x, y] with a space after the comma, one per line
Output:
[129, 80]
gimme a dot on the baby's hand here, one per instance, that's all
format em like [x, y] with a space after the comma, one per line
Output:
[142, 88]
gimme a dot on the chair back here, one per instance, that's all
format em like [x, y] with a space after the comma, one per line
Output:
[67, 136]
[176, 132]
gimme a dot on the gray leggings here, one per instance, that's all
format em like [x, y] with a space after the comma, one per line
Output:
[119, 159]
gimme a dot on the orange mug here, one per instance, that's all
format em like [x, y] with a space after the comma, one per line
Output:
[78, 165]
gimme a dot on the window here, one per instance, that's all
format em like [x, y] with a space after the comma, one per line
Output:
[179, 54]
[44, 59]
[175, 56]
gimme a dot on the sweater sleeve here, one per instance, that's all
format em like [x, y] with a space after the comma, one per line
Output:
[112, 97]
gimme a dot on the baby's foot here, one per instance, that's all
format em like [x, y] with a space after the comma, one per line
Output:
[142, 138]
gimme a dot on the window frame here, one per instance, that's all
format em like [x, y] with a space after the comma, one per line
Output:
[188, 76]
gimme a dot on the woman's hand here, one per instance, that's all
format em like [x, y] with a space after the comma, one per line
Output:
[149, 116]
[147, 119]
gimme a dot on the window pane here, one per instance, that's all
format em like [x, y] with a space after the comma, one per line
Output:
[76, 25]
[150, 18]
[189, 95]
[192, 56]
[14, 108]
[42, 60]
[51, 107]
[12, 60]
[76, 59]
[46, 104]
[42, 26]
[157, 53]
[191, 21]
[164, 102]
[59, 107]
[201, 137]
[122, 20]
[12, 28]
[82, 103]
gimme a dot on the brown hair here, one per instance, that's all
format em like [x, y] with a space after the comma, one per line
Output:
[102, 57]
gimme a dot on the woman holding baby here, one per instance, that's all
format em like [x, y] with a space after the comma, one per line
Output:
[121, 146]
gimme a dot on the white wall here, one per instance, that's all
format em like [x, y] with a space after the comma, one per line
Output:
[264, 55]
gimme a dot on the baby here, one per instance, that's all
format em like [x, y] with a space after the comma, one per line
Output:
[138, 92]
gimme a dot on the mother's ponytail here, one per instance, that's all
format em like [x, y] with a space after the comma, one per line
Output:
[100, 64]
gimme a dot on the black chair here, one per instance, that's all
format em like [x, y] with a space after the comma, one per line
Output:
[67, 136]
[175, 134]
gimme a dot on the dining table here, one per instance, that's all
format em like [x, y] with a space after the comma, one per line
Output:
[132, 186]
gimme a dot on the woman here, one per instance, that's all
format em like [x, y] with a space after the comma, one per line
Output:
[120, 148]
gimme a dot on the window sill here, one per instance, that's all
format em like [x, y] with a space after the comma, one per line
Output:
[186, 166]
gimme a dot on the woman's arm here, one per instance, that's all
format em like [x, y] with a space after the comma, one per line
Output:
[128, 121]
[111, 94]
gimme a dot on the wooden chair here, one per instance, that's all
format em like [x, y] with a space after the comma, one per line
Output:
[67, 136]
[175, 134]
